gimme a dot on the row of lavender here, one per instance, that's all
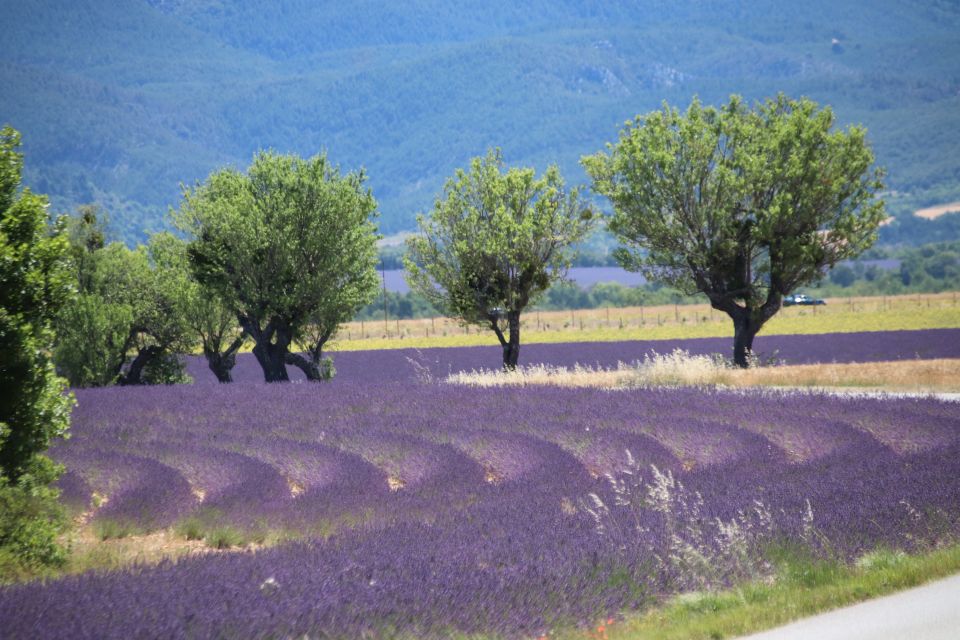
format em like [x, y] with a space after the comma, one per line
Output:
[429, 509]
[408, 364]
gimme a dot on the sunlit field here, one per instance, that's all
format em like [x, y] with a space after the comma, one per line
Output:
[391, 503]
[881, 313]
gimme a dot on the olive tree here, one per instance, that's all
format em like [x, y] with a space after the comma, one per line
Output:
[288, 241]
[495, 241]
[741, 204]
[203, 311]
[128, 302]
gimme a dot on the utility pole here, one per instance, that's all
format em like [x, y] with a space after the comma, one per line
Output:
[383, 280]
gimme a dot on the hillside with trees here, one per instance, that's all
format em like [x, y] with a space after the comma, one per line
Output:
[120, 102]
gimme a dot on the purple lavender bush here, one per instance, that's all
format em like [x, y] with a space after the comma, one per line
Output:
[426, 510]
[409, 365]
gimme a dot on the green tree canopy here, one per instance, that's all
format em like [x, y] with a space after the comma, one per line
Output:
[284, 244]
[34, 283]
[201, 309]
[743, 205]
[494, 242]
[130, 300]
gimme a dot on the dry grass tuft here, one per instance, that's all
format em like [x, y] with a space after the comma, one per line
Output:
[540, 374]
[679, 368]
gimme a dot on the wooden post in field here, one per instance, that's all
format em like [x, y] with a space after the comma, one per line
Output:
[641, 315]
[363, 334]
[676, 312]
[383, 280]
[608, 316]
[538, 320]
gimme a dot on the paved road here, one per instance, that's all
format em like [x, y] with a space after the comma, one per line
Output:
[930, 612]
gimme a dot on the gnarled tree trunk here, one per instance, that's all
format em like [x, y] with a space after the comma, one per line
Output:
[270, 347]
[744, 331]
[311, 363]
[511, 342]
[134, 374]
[221, 364]
[309, 366]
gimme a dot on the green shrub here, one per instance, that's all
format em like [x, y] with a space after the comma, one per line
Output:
[30, 522]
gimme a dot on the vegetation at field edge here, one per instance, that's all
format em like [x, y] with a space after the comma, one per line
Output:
[803, 587]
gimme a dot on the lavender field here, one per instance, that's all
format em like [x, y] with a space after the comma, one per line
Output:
[398, 365]
[427, 510]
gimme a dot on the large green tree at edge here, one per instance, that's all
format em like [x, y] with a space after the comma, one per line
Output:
[34, 283]
[742, 204]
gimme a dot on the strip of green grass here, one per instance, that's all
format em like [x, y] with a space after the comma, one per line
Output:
[803, 588]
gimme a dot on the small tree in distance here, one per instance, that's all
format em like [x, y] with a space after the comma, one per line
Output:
[743, 205]
[494, 242]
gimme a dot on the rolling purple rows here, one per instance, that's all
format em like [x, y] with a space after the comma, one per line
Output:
[402, 365]
[484, 529]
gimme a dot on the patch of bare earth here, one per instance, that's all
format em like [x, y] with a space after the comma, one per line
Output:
[88, 551]
[931, 213]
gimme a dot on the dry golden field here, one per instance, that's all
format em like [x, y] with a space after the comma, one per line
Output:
[842, 315]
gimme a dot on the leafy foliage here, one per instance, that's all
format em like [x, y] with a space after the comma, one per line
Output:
[202, 310]
[34, 409]
[129, 300]
[287, 246]
[743, 205]
[495, 242]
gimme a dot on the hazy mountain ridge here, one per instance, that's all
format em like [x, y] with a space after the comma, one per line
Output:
[124, 100]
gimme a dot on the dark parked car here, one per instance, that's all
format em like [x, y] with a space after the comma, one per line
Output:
[802, 299]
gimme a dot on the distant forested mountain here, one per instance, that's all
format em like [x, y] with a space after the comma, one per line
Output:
[120, 101]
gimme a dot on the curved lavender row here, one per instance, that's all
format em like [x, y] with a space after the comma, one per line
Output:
[511, 566]
[457, 553]
[397, 364]
[230, 488]
[134, 489]
[75, 492]
[307, 465]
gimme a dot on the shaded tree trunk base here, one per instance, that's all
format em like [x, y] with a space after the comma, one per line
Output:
[310, 366]
[743, 335]
[134, 375]
[221, 364]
